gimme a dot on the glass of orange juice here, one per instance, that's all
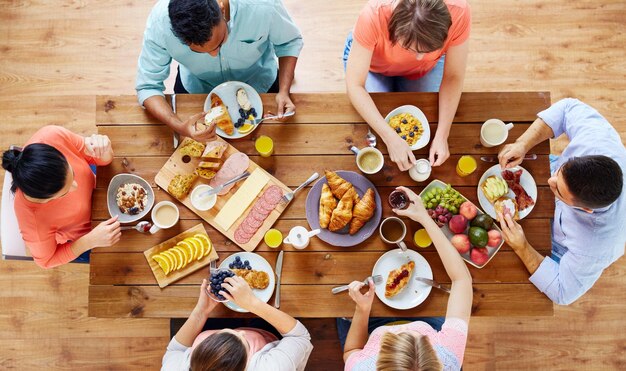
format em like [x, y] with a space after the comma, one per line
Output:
[273, 238]
[466, 165]
[264, 145]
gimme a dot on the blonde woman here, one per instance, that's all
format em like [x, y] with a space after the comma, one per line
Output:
[415, 345]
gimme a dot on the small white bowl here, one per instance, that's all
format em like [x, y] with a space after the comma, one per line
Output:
[206, 203]
[418, 114]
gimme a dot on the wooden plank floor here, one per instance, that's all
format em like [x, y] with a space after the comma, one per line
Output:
[52, 53]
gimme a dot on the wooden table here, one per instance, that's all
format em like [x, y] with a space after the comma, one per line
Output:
[122, 285]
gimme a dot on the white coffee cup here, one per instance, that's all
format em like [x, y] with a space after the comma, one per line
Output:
[494, 132]
[371, 153]
[398, 241]
[163, 210]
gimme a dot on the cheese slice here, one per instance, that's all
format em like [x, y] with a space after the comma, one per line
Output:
[239, 202]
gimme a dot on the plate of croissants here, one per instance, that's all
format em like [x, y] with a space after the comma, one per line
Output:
[345, 206]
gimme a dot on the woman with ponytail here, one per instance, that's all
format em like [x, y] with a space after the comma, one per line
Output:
[419, 344]
[53, 183]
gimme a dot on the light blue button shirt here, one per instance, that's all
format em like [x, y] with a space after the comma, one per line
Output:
[260, 31]
[587, 242]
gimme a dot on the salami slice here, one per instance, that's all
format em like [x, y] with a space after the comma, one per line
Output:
[273, 195]
[256, 215]
[241, 237]
[254, 222]
[246, 227]
[258, 209]
[266, 205]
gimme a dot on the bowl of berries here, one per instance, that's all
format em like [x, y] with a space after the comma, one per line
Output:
[216, 279]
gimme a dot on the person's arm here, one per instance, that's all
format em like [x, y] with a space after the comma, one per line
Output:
[513, 154]
[514, 236]
[449, 96]
[288, 354]
[356, 74]
[357, 334]
[161, 110]
[461, 294]
[286, 70]
[200, 313]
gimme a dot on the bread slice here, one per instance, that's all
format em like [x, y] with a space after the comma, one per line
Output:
[209, 165]
[214, 150]
[398, 279]
[494, 187]
[180, 185]
[506, 205]
[190, 147]
[207, 174]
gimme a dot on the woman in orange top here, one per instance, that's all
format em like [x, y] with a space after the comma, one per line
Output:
[53, 182]
[409, 45]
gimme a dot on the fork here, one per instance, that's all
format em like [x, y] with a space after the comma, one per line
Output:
[289, 196]
[377, 280]
[258, 121]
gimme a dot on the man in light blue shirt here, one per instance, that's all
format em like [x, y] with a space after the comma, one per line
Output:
[588, 230]
[216, 41]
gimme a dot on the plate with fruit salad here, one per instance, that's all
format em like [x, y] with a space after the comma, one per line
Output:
[473, 233]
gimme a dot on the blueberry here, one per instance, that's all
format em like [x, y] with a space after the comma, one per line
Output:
[240, 110]
[411, 134]
[246, 263]
[398, 130]
[221, 297]
[415, 127]
[231, 265]
[249, 268]
[404, 137]
[237, 259]
[253, 111]
[231, 274]
[253, 114]
[218, 287]
[404, 121]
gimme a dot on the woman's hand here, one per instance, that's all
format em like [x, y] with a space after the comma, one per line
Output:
[400, 152]
[205, 305]
[416, 209]
[439, 150]
[97, 146]
[105, 234]
[240, 293]
[363, 301]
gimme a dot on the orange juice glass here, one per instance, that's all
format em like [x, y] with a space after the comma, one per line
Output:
[273, 238]
[466, 165]
[264, 145]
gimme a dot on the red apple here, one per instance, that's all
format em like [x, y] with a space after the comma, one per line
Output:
[495, 238]
[468, 210]
[461, 243]
[479, 255]
[457, 224]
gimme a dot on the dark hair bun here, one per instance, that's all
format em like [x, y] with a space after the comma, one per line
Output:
[10, 159]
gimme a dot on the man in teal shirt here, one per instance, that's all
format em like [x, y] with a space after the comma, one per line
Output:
[216, 41]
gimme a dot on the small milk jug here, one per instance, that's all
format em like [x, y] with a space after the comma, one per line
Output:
[299, 237]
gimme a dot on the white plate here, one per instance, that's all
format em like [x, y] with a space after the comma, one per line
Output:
[418, 114]
[491, 251]
[114, 184]
[227, 92]
[257, 262]
[526, 180]
[415, 292]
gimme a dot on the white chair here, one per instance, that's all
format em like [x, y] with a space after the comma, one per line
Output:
[13, 246]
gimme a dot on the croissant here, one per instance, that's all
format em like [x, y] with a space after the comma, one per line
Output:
[328, 203]
[342, 214]
[339, 186]
[219, 114]
[363, 211]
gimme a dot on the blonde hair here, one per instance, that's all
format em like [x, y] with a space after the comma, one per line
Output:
[407, 352]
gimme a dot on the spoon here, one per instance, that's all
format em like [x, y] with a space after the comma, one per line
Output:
[371, 138]
[142, 227]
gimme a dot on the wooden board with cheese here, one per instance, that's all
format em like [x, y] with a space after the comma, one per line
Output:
[242, 213]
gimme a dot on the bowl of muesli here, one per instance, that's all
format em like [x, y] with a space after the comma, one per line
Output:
[129, 197]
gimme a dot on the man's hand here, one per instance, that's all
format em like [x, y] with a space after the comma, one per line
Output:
[439, 151]
[512, 232]
[284, 103]
[198, 131]
[511, 155]
[400, 152]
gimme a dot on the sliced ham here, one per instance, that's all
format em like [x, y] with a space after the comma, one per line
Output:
[234, 165]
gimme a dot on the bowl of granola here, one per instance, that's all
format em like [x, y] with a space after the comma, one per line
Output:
[129, 197]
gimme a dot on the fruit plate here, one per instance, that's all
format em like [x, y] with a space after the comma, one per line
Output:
[419, 115]
[162, 279]
[342, 237]
[228, 93]
[415, 292]
[491, 251]
[257, 262]
[526, 181]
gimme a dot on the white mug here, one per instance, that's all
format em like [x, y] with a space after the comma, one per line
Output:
[399, 241]
[362, 152]
[495, 126]
[156, 226]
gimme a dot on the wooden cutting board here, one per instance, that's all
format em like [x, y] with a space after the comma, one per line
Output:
[193, 266]
[175, 166]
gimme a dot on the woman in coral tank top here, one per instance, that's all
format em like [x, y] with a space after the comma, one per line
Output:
[409, 45]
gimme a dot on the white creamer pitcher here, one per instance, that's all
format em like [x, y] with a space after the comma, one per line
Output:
[299, 237]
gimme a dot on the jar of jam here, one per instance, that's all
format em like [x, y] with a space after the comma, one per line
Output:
[399, 200]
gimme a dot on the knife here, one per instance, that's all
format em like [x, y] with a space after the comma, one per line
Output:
[432, 283]
[495, 158]
[176, 135]
[279, 271]
[219, 188]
